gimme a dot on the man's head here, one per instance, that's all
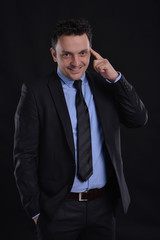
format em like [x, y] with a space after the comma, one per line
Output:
[71, 42]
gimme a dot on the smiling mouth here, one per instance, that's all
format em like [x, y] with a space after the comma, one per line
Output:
[75, 69]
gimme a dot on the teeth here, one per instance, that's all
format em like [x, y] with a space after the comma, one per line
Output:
[75, 68]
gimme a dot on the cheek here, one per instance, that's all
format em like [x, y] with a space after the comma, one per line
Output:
[87, 60]
[88, 57]
[62, 62]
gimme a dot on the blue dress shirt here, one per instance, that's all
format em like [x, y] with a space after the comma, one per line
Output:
[99, 177]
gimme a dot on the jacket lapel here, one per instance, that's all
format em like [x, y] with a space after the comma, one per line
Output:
[61, 107]
[103, 105]
[98, 98]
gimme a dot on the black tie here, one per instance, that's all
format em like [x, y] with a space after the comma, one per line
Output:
[84, 151]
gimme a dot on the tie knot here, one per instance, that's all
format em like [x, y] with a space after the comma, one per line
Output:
[77, 84]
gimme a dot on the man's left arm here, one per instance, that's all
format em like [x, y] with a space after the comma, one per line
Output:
[131, 109]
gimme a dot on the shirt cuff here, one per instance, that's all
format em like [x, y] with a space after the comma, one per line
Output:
[36, 215]
[117, 79]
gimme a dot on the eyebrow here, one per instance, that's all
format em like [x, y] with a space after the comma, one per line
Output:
[83, 50]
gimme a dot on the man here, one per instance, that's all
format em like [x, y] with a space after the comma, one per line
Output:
[67, 156]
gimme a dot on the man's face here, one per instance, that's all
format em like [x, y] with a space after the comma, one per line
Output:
[72, 55]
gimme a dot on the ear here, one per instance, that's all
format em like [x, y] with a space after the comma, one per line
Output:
[53, 53]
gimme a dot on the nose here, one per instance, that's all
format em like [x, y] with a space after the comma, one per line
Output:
[75, 61]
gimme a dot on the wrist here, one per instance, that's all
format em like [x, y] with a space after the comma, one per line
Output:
[114, 77]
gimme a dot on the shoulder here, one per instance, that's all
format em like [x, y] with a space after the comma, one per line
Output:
[95, 77]
[96, 81]
[39, 84]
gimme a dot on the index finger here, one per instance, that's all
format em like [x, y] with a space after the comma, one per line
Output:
[95, 54]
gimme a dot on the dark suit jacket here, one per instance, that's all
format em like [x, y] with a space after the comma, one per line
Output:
[44, 150]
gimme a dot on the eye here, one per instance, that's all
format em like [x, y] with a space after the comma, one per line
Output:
[83, 53]
[66, 55]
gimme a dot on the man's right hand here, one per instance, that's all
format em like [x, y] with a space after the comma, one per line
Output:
[35, 219]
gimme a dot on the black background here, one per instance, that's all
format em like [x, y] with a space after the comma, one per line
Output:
[127, 33]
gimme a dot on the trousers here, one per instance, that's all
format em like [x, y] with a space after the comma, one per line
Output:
[75, 220]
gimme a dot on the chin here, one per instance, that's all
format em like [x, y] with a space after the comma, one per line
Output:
[76, 76]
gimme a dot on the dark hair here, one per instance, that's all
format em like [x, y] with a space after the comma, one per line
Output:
[71, 27]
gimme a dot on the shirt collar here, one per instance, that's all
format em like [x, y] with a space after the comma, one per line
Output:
[67, 81]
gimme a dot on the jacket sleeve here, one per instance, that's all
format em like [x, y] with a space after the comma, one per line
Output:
[26, 144]
[131, 109]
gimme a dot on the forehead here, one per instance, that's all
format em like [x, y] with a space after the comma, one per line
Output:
[73, 43]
